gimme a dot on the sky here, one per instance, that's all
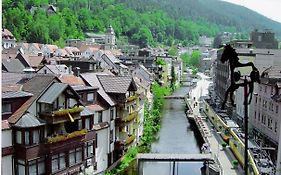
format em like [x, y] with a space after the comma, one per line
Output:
[268, 8]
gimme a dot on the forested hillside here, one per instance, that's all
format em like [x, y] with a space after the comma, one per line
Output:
[143, 22]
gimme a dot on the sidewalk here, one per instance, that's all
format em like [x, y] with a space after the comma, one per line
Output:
[224, 157]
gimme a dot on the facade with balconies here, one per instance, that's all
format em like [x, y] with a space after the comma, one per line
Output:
[50, 133]
[122, 90]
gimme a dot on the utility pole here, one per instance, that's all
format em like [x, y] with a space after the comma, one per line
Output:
[246, 125]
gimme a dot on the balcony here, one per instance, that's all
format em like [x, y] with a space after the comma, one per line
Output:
[130, 139]
[62, 115]
[65, 142]
[66, 137]
[126, 119]
[125, 139]
[132, 98]
[58, 143]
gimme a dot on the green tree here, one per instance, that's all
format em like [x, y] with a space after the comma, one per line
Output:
[185, 57]
[195, 58]
[38, 29]
[143, 37]
[56, 27]
[173, 51]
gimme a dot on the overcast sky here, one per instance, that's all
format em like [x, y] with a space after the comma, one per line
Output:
[268, 8]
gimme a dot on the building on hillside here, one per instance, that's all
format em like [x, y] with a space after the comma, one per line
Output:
[267, 110]
[58, 69]
[49, 133]
[8, 39]
[12, 99]
[265, 39]
[95, 112]
[110, 39]
[104, 123]
[122, 90]
[12, 65]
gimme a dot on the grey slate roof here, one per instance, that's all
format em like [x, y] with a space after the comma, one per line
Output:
[15, 94]
[14, 78]
[82, 87]
[29, 120]
[115, 84]
[35, 86]
[92, 79]
[12, 65]
[87, 112]
[52, 93]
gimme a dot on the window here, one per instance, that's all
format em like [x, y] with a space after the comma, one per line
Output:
[255, 114]
[89, 121]
[6, 108]
[265, 88]
[111, 136]
[35, 136]
[111, 114]
[276, 109]
[275, 128]
[89, 149]
[90, 97]
[35, 167]
[58, 162]
[99, 117]
[20, 167]
[75, 156]
[26, 138]
[18, 137]
[269, 123]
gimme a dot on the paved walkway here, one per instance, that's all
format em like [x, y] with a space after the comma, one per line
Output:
[224, 157]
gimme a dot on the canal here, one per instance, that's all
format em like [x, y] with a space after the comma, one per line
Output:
[175, 136]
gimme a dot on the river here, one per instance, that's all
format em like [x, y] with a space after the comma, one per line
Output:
[175, 136]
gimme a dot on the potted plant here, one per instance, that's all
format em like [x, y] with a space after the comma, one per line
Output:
[223, 145]
[235, 163]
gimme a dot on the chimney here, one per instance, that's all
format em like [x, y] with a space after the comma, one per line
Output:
[77, 71]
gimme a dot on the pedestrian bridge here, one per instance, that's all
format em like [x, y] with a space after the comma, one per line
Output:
[174, 97]
[175, 157]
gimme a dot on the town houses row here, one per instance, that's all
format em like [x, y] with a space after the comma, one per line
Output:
[265, 109]
[76, 113]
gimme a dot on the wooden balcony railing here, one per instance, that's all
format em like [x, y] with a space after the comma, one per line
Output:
[130, 139]
[66, 136]
[62, 115]
[132, 98]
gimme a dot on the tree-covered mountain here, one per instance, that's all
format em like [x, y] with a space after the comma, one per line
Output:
[223, 14]
[143, 22]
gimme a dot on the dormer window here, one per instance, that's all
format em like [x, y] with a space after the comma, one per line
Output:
[6, 108]
[90, 97]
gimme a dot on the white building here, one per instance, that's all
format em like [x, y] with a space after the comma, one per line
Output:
[8, 39]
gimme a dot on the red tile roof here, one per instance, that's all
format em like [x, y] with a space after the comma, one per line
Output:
[5, 124]
[72, 80]
[95, 107]
[7, 34]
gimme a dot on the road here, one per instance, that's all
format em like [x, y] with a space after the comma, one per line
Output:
[201, 88]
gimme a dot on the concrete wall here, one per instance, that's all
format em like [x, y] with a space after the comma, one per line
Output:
[6, 138]
[7, 165]
[102, 150]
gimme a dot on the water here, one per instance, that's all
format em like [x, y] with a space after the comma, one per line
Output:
[175, 136]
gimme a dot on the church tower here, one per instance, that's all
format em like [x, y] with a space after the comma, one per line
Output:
[110, 38]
